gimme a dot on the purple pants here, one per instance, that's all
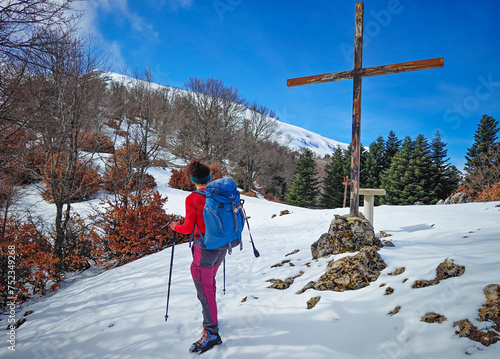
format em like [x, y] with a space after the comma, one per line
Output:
[203, 270]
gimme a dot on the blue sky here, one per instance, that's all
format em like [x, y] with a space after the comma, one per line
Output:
[257, 45]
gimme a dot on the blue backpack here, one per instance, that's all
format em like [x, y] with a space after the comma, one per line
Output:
[224, 215]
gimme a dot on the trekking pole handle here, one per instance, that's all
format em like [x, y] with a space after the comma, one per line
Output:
[168, 223]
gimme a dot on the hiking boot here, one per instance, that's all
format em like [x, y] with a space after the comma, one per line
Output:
[206, 342]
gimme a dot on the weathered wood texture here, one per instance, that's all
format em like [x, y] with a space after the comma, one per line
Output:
[368, 72]
[356, 110]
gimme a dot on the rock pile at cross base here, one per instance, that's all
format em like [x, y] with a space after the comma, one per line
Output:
[348, 234]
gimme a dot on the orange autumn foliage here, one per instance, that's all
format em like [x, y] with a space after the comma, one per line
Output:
[120, 174]
[96, 142]
[490, 193]
[115, 179]
[462, 189]
[180, 179]
[82, 184]
[271, 197]
[25, 251]
[130, 229]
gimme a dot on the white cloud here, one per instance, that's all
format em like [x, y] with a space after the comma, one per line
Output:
[453, 90]
[173, 4]
[115, 50]
[120, 9]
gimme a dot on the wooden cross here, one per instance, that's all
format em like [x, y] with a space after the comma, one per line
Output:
[357, 74]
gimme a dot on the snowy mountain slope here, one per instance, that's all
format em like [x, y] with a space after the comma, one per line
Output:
[120, 313]
[301, 138]
[294, 137]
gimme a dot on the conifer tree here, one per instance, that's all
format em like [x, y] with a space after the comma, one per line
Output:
[304, 187]
[407, 180]
[392, 146]
[374, 165]
[392, 182]
[444, 176]
[485, 137]
[375, 162]
[333, 189]
[347, 164]
[421, 188]
[419, 172]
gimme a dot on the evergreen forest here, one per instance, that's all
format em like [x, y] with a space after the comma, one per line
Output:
[412, 171]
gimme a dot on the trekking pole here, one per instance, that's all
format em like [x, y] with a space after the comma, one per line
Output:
[174, 237]
[255, 251]
[224, 275]
[170, 275]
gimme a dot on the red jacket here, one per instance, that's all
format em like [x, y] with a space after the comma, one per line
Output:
[194, 214]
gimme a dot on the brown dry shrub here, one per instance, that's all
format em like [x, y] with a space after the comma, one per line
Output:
[148, 182]
[490, 194]
[33, 160]
[130, 229]
[462, 189]
[113, 123]
[158, 162]
[121, 133]
[180, 178]
[271, 197]
[114, 180]
[85, 181]
[120, 175]
[29, 251]
[96, 142]
[20, 157]
[217, 171]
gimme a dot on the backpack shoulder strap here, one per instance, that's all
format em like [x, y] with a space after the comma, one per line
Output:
[199, 191]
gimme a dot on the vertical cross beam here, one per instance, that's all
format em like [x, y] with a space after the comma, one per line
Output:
[356, 109]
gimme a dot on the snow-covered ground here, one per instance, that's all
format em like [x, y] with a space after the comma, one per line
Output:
[121, 313]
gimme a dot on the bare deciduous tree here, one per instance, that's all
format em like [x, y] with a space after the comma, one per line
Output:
[277, 170]
[256, 128]
[22, 22]
[66, 96]
[211, 113]
[24, 29]
[150, 110]
[487, 170]
[142, 112]
[27, 30]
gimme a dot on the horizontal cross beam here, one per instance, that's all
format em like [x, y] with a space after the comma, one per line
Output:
[368, 72]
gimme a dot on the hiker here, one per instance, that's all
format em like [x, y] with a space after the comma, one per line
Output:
[205, 261]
